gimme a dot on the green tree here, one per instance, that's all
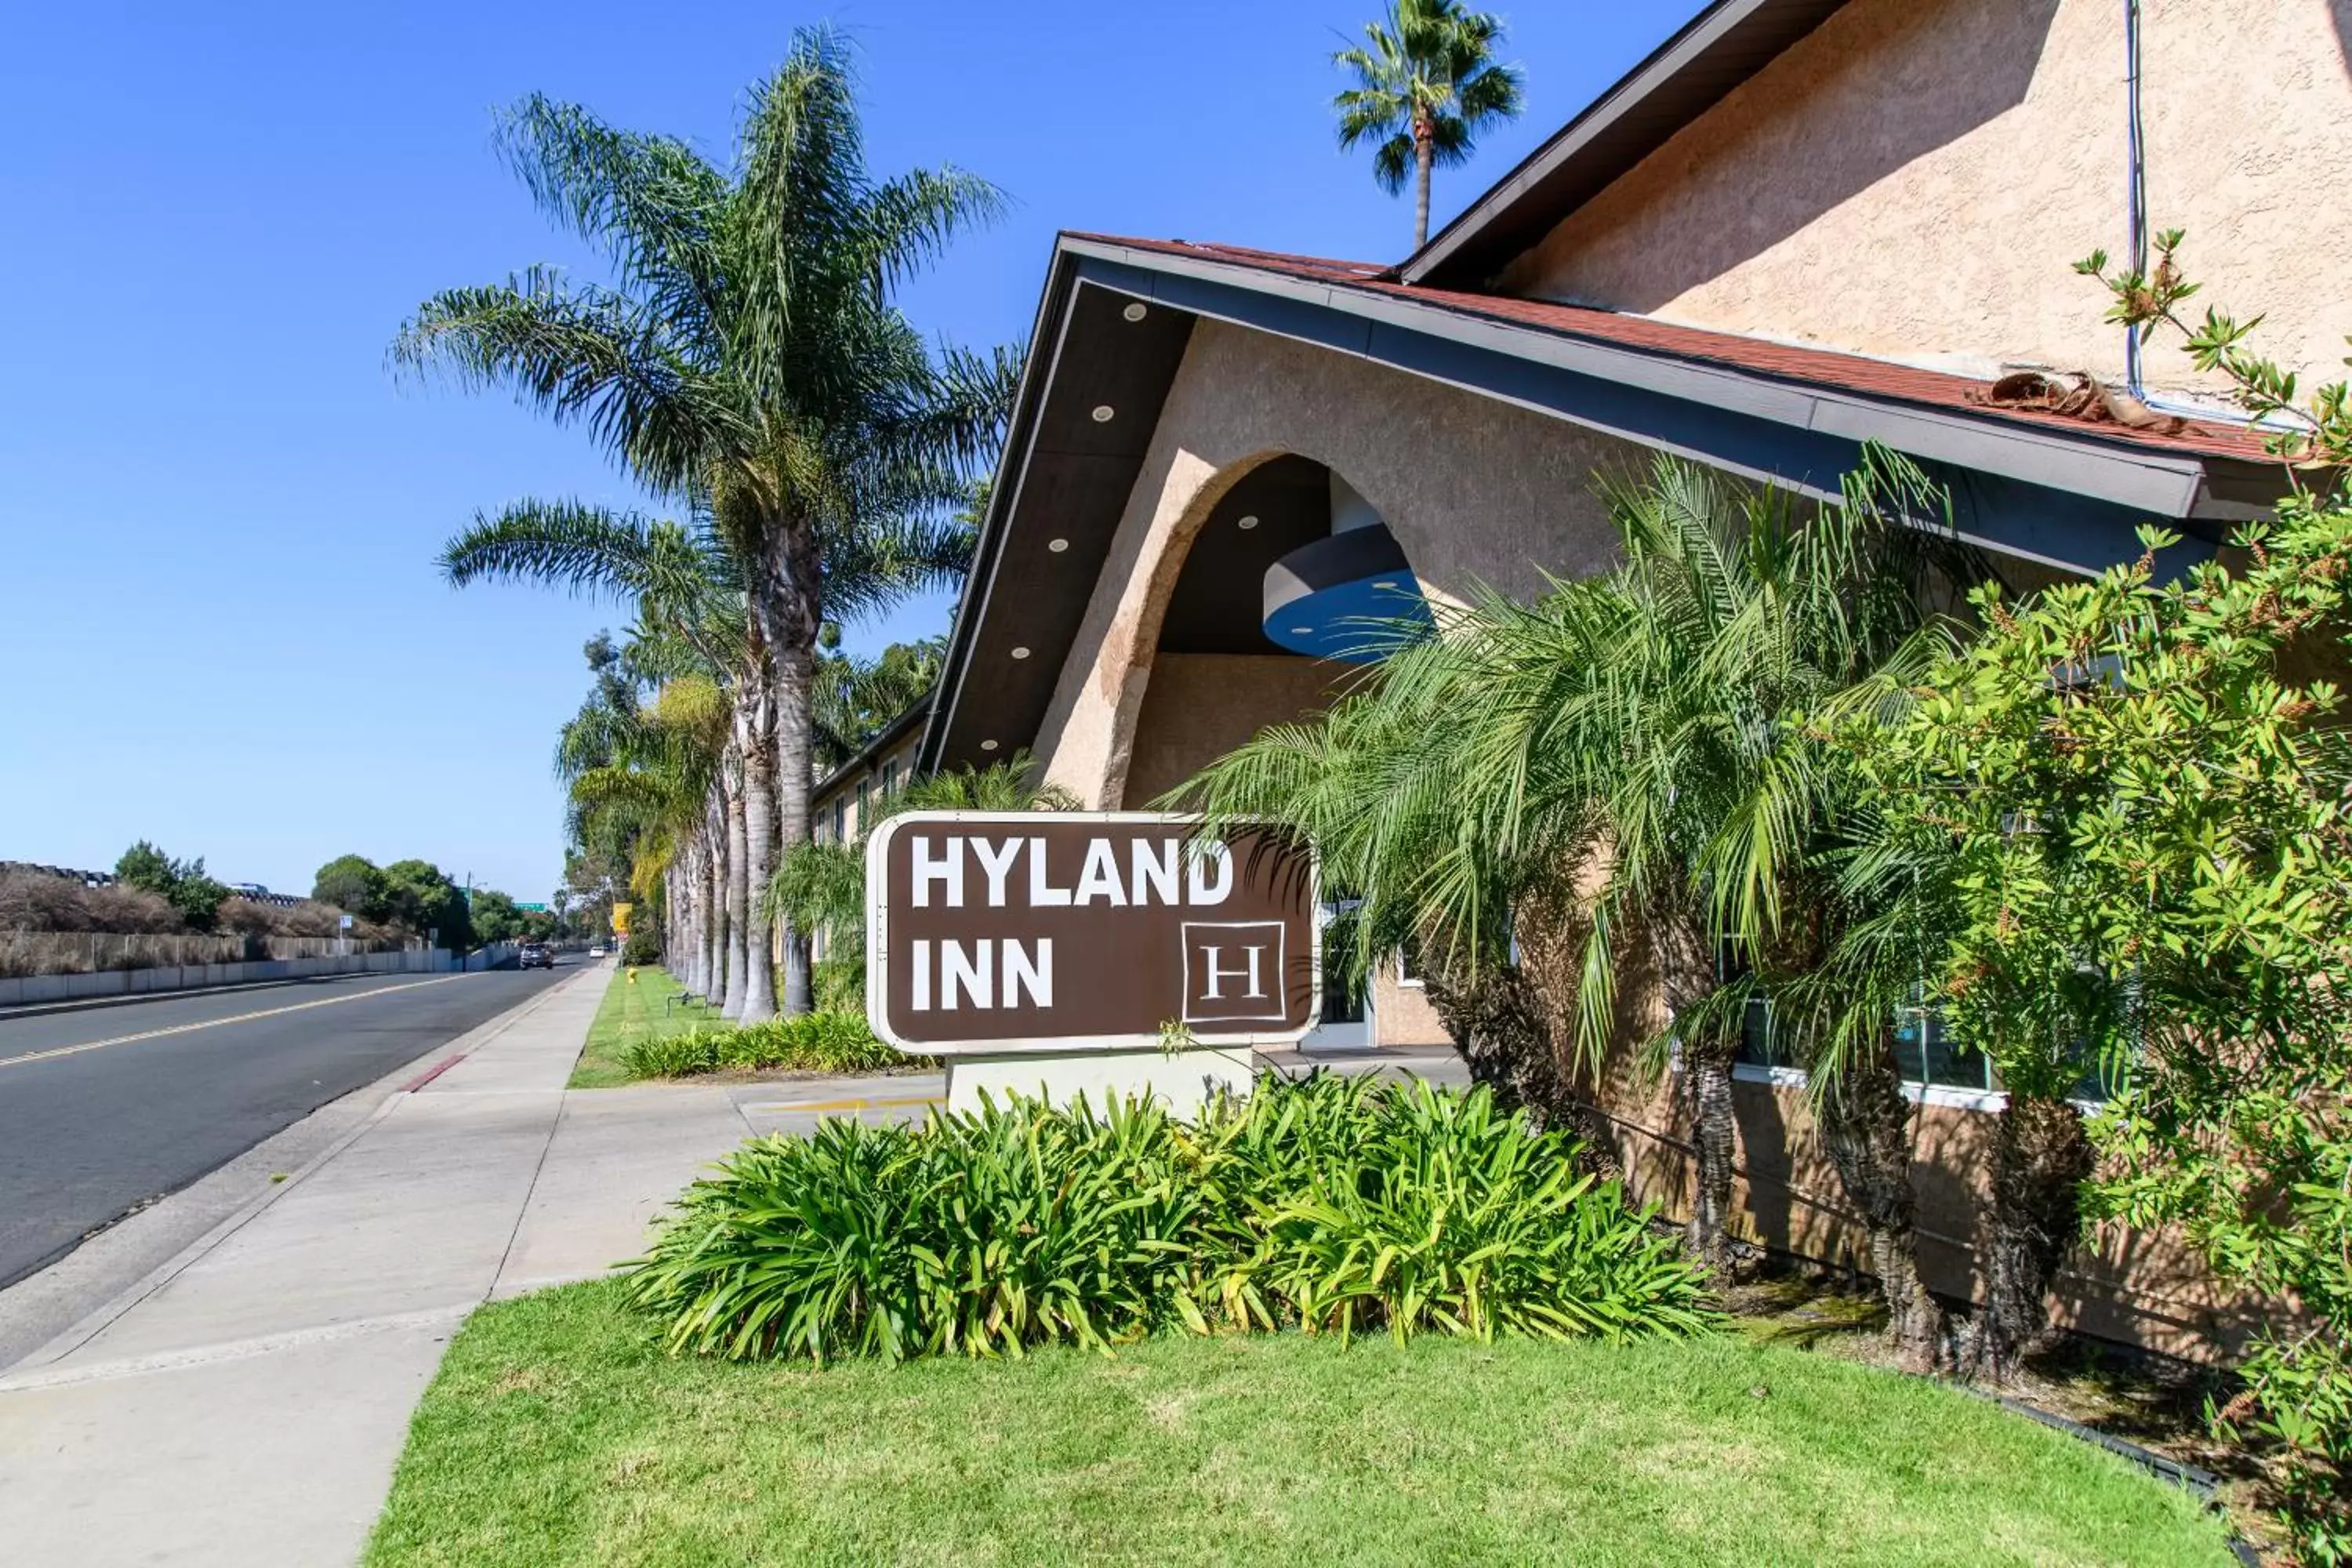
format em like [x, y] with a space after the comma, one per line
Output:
[820, 886]
[494, 917]
[1426, 85]
[2146, 812]
[353, 883]
[750, 362]
[419, 897]
[687, 592]
[182, 884]
[1577, 809]
[857, 698]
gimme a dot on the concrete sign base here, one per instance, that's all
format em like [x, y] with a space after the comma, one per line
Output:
[1182, 1081]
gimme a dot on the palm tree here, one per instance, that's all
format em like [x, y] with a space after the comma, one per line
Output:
[691, 621]
[857, 698]
[749, 362]
[1426, 85]
[820, 886]
[1578, 808]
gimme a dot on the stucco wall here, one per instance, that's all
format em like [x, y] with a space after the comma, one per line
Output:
[899, 763]
[1199, 706]
[1401, 1014]
[1915, 178]
[1475, 490]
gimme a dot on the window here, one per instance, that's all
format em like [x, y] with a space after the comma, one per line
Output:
[1927, 1057]
[841, 819]
[1408, 964]
[890, 776]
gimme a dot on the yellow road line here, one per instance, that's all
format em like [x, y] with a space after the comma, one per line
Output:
[55, 1052]
[803, 1105]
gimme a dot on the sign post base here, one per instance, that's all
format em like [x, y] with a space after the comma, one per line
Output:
[1182, 1081]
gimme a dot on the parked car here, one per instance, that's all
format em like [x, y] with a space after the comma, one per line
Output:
[597, 951]
[534, 956]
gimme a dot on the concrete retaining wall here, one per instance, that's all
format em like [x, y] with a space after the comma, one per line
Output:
[197, 977]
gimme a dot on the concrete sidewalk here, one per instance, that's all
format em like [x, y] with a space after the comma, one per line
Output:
[245, 1403]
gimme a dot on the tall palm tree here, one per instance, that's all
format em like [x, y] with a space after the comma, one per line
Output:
[820, 886]
[1426, 85]
[1578, 808]
[856, 699]
[691, 621]
[749, 360]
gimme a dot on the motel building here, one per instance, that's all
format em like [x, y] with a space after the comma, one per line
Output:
[1801, 225]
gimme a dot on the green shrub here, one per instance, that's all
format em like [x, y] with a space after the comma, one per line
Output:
[1323, 1204]
[1418, 1210]
[643, 950]
[834, 1041]
[838, 984]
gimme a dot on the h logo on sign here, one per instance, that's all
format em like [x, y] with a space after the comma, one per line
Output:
[1233, 972]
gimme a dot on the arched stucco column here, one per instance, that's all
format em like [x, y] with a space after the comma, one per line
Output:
[1476, 491]
[1093, 717]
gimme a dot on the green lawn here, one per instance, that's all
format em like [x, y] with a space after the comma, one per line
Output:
[557, 1432]
[630, 1013]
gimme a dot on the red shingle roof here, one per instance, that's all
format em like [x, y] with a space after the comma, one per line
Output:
[1823, 368]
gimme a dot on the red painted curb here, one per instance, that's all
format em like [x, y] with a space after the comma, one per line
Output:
[429, 1074]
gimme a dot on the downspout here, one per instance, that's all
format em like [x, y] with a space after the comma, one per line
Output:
[2137, 201]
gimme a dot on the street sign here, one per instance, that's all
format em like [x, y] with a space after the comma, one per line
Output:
[1069, 931]
[532, 909]
[345, 922]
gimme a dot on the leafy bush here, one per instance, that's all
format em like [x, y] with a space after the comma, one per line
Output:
[838, 984]
[834, 1041]
[643, 948]
[1325, 1205]
[1420, 1210]
[181, 883]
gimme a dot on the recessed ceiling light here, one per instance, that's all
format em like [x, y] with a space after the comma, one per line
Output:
[1058, 545]
[1102, 412]
[1134, 313]
[1246, 523]
[1021, 653]
[1383, 585]
[1302, 631]
[987, 745]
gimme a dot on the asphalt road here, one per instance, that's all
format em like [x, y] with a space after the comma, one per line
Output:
[107, 1109]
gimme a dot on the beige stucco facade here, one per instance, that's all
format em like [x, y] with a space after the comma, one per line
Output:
[1476, 491]
[840, 806]
[1915, 178]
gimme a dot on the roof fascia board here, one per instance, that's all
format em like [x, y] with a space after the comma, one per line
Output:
[1004, 498]
[1678, 54]
[2151, 483]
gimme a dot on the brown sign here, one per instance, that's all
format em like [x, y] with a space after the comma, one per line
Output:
[1066, 931]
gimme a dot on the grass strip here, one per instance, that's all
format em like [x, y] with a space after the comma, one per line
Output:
[632, 1013]
[557, 1432]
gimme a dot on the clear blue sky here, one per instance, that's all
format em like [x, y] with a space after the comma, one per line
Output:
[219, 620]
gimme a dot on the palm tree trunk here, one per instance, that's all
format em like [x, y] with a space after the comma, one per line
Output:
[755, 707]
[689, 883]
[790, 603]
[1424, 158]
[1707, 1058]
[1497, 1021]
[795, 769]
[2042, 1156]
[714, 936]
[1865, 1128]
[1688, 974]
[731, 1006]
